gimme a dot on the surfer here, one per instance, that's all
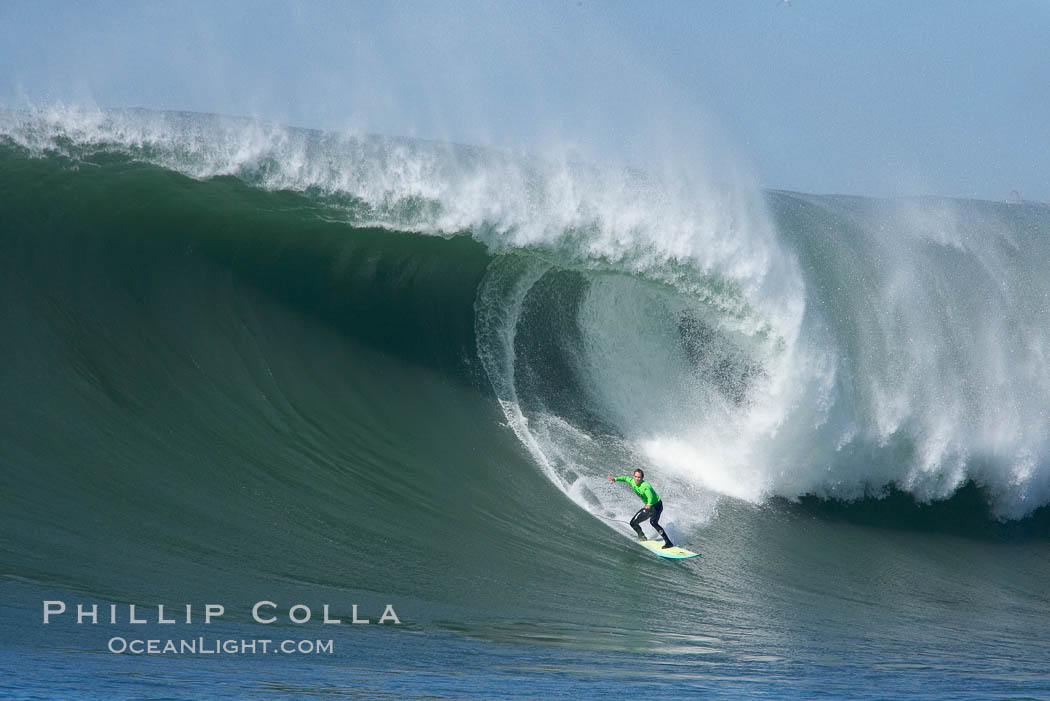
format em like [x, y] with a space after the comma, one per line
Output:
[652, 509]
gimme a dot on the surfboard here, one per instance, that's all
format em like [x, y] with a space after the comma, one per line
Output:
[673, 553]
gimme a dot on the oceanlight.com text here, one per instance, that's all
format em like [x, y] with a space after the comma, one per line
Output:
[219, 646]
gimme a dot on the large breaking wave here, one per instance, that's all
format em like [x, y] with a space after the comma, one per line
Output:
[732, 341]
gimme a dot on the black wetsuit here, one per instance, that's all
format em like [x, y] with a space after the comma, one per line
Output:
[653, 514]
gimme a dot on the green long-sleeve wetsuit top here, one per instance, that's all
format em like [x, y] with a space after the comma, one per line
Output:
[644, 490]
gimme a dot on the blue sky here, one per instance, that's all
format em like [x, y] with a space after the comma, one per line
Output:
[873, 98]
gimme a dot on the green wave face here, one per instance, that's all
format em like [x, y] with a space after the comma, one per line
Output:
[212, 388]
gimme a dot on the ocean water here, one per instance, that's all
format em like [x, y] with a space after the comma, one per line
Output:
[247, 363]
